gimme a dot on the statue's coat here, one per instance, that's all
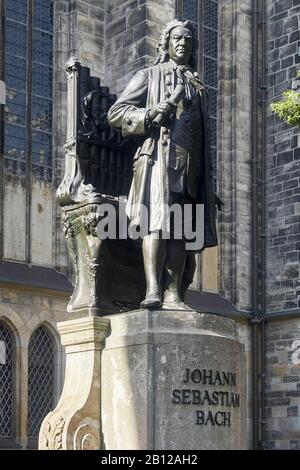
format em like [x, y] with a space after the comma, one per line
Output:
[150, 185]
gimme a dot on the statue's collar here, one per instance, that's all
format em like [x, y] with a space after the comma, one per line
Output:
[182, 68]
[189, 73]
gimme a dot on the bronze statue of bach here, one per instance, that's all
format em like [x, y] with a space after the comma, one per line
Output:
[166, 106]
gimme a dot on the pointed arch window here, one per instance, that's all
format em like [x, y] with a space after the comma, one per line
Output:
[41, 378]
[7, 382]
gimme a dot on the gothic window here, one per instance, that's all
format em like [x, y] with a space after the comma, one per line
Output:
[41, 378]
[189, 10]
[7, 367]
[204, 13]
[28, 71]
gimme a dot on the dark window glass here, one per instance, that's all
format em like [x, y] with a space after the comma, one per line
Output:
[41, 114]
[17, 10]
[15, 142]
[41, 148]
[29, 81]
[208, 31]
[15, 107]
[210, 47]
[15, 73]
[210, 66]
[15, 167]
[213, 101]
[210, 75]
[213, 127]
[7, 360]
[42, 173]
[15, 39]
[43, 14]
[42, 81]
[190, 10]
[42, 47]
[41, 369]
[210, 14]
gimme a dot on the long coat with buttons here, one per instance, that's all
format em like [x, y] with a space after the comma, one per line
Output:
[150, 185]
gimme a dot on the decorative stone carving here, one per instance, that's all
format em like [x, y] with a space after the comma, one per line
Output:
[87, 437]
[75, 423]
[51, 438]
[84, 248]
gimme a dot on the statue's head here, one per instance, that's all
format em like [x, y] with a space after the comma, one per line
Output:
[178, 42]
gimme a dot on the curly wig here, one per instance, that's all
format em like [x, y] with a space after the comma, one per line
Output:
[162, 46]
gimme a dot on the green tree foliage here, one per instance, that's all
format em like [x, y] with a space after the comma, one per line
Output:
[289, 108]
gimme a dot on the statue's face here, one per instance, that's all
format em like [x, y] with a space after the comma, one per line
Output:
[180, 45]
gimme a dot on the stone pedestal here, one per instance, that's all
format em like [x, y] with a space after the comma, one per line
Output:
[75, 422]
[173, 380]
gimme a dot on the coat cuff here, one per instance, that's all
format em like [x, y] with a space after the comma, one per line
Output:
[134, 122]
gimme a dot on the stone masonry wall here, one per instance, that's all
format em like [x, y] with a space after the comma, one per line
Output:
[283, 161]
[283, 385]
[234, 151]
[245, 337]
[133, 28]
[283, 232]
[22, 312]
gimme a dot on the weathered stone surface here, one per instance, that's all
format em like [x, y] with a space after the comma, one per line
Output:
[23, 312]
[130, 25]
[280, 295]
[283, 380]
[75, 424]
[291, 24]
[283, 5]
[234, 153]
[136, 16]
[146, 403]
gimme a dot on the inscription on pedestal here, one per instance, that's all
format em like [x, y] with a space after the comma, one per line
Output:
[214, 396]
[173, 381]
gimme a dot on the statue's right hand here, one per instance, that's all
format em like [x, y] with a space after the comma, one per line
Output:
[163, 107]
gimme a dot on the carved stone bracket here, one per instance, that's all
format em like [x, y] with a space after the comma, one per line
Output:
[75, 423]
[85, 250]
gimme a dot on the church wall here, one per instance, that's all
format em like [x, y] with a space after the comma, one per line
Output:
[23, 311]
[234, 152]
[244, 334]
[116, 38]
[14, 215]
[132, 30]
[283, 384]
[283, 163]
[283, 232]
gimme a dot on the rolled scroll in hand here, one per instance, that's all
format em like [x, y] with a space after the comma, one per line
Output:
[173, 101]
